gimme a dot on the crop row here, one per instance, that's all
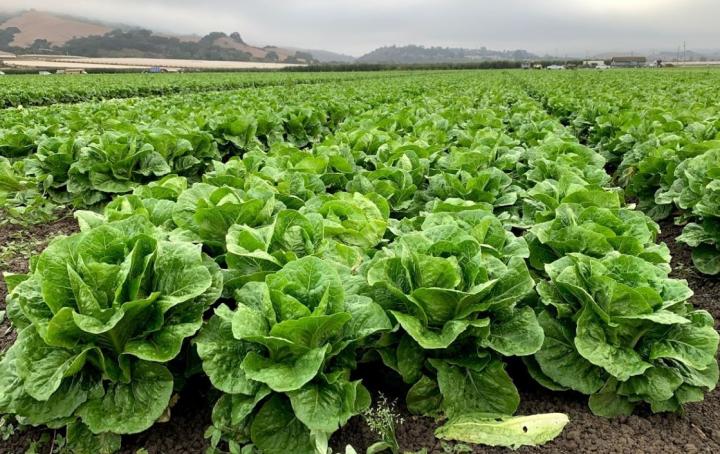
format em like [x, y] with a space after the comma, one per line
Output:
[448, 226]
[83, 154]
[27, 90]
[661, 132]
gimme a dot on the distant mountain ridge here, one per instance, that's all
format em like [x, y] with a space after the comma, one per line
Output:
[421, 54]
[668, 55]
[33, 31]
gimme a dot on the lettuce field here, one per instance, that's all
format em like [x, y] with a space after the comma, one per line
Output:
[441, 261]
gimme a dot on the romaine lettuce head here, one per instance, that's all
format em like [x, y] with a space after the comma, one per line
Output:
[459, 268]
[352, 219]
[619, 329]
[285, 353]
[595, 231]
[696, 188]
[100, 313]
[457, 290]
[489, 185]
[207, 212]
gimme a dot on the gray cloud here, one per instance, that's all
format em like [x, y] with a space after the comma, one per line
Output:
[571, 27]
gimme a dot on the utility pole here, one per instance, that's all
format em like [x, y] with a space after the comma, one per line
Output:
[684, 51]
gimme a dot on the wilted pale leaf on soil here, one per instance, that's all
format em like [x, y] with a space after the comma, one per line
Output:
[511, 432]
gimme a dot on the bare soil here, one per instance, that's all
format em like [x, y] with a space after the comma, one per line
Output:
[28, 241]
[696, 431]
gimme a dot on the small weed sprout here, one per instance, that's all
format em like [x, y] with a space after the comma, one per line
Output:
[383, 419]
[7, 428]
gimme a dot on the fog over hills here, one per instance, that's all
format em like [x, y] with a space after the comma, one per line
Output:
[33, 31]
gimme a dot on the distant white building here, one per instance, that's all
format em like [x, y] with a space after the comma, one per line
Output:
[555, 67]
[593, 63]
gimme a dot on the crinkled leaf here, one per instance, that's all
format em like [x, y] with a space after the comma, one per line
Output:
[467, 390]
[276, 430]
[133, 407]
[222, 354]
[288, 375]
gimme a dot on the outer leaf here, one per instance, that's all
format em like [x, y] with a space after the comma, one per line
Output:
[519, 334]
[284, 376]
[81, 441]
[656, 384]
[73, 392]
[692, 344]
[367, 317]
[410, 359]
[222, 355]
[592, 343]
[509, 432]
[180, 322]
[465, 390]
[424, 397]
[428, 338]
[232, 410]
[130, 408]
[560, 361]
[43, 367]
[610, 404]
[275, 430]
[326, 407]
[180, 273]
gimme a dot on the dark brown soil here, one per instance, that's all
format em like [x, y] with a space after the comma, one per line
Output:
[29, 240]
[184, 433]
[35, 238]
[698, 430]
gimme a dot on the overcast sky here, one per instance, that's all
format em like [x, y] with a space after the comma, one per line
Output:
[559, 27]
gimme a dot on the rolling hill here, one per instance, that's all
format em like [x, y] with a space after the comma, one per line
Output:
[35, 31]
[326, 56]
[56, 30]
